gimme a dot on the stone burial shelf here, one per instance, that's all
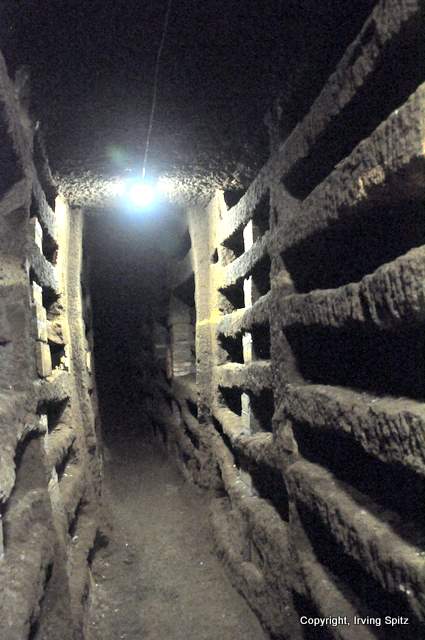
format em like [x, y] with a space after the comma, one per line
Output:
[286, 374]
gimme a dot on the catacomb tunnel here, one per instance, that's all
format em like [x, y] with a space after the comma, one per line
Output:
[212, 306]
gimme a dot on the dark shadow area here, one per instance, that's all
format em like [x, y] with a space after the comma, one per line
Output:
[261, 277]
[346, 251]
[269, 484]
[262, 406]
[403, 63]
[357, 584]
[233, 347]
[261, 217]
[232, 197]
[231, 397]
[235, 295]
[219, 428]
[391, 486]
[261, 341]
[128, 256]
[11, 169]
[305, 607]
[235, 243]
[57, 352]
[54, 411]
[193, 408]
[192, 436]
[376, 361]
[186, 291]
[184, 245]
[67, 461]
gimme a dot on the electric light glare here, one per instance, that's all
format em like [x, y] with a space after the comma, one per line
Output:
[118, 188]
[141, 195]
[137, 194]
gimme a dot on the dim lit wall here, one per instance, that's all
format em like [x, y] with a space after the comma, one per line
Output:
[49, 467]
[294, 343]
[305, 416]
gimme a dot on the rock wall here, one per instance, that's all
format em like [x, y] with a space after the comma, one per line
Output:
[49, 467]
[305, 416]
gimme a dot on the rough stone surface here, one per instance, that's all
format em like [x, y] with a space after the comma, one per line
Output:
[385, 168]
[243, 266]
[392, 296]
[244, 319]
[254, 377]
[41, 488]
[362, 535]
[320, 516]
[44, 361]
[315, 490]
[361, 61]
[390, 429]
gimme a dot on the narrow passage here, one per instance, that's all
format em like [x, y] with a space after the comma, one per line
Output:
[158, 578]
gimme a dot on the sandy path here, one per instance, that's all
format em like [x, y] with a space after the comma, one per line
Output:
[159, 578]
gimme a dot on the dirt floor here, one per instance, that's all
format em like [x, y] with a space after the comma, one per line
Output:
[158, 578]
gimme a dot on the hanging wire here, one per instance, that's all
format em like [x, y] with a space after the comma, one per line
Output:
[155, 87]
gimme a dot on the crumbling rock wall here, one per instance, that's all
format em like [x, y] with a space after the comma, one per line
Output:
[305, 415]
[297, 401]
[49, 467]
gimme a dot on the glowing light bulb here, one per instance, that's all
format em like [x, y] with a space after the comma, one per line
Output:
[141, 195]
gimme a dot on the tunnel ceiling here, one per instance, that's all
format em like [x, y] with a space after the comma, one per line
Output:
[92, 66]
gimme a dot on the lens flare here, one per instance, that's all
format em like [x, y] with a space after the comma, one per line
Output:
[141, 195]
[135, 194]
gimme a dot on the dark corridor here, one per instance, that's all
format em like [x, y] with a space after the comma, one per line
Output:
[212, 310]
